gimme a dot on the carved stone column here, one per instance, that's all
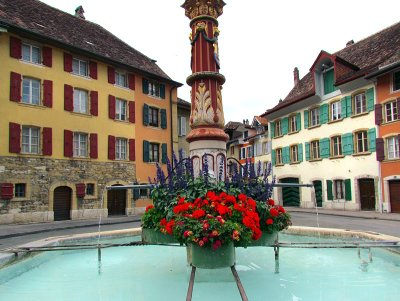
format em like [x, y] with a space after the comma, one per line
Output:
[207, 139]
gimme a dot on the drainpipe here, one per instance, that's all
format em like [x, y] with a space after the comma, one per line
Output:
[171, 120]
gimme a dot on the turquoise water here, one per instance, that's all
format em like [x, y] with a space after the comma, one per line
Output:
[161, 273]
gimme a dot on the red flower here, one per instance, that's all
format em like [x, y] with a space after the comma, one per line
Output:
[256, 234]
[242, 197]
[269, 221]
[181, 201]
[201, 243]
[169, 227]
[198, 213]
[223, 210]
[216, 245]
[281, 209]
[274, 212]
[149, 207]
[163, 222]
[187, 233]
[271, 202]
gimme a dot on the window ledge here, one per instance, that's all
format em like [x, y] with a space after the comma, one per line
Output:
[315, 160]
[154, 97]
[359, 114]
[81, 76]
[280, 164]
[32, 63]
[334, 121]
[313, 127]
[30, 105]
[336, 157]
[390, 122]
[19, 199]
[292, 133]
[278, 136]
[122, 87]
[362, 154]
[295, 163]
[87, 115]
[90, 197]
[394, 160]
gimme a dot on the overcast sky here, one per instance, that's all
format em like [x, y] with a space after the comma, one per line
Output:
[260, 41]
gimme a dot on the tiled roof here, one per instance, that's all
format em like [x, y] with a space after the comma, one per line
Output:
[232, 125]
[33, 17]
[183, 103]
[261, 120]
[367, 55]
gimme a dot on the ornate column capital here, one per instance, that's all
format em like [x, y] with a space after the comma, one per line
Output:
[195, 8]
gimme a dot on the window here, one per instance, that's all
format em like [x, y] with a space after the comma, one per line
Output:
[30, 140]
[278, 156]
[391, 111]
[249, 151]
[30, 91]
[314, 117]
[278, 128]
[31, 53]
[153, 116]
[80, 101]
[392, 145]
[80, 144]
[329, 81]
[232, 150]
[243, 153]
[144, 193]
[360, 103]
[90, 189]
[339, 189]
[154, 152]
[336, 110]
[121, 79]
[293, 124]
[120, 109]
[120, 149]
[245, 134]
[314, 150]
[267, 148]
[20, 190]
[336, 146]
[361, 139]
[79, 67]
[294, 154]
[181, 125]
[396, 81]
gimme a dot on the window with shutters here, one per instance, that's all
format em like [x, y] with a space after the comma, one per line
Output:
[31, 91]
[392, 148]
[144, 193]
[80, 145]
[80, 101]
[31, 53]
[391, 111]
[314, 150]
[20, 190]
[249, 151]
[121, 79]
[359, 103]
[336, 146]
[278, 156]
[361, 141]
[293, 124]
[30, 140]
[154, 89]
[80, 67]
[294, 154]
[153, 116]
[396, 81]
[120, 149]
[120, 109]
[329, 81]
[278, 128]
[314, 117]
[242, 153]
[181, 126]
[154, 152]
[338, 189]
[90, 189]
[335, 111]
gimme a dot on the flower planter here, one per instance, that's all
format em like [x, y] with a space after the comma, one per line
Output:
[207, 258]
[266, 239]
[152, 236]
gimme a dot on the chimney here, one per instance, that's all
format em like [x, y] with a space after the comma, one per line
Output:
[296, 76]
[349, 43]
[79, 12]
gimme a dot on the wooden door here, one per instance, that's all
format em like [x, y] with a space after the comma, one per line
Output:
[291, 195]
[116, 202]
[367, 194]
[394, 194]
[62, 203]
[318, 192]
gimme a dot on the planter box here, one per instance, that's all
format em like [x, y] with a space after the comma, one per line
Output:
[207, 258]
[154, 237]
[267, 239]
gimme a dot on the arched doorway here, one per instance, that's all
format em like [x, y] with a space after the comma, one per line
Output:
[62, 203]
[116, 201]
[394, 195]
[367, 193]
[291, 195]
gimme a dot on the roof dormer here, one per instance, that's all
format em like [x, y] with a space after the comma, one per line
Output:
[323, 71]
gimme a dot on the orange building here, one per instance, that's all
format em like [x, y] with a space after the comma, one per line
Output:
[387, 117]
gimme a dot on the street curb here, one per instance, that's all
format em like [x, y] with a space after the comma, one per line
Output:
[346, 215]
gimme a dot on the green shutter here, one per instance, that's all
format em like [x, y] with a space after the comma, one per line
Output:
[285, 125]
[307, 146]
[145, 114]
[136, 194]
[286, 155]
[300, 149]
[298, 121]
[329, 80]
[164, 154]
[162, 91]
[145, 85]
[343, 104]
[347, 144]
[306, 119]
[272, 126]
[370, 99]
[324, 113]
[347, 189]
[372, 140]
[146, 151]
[324, 147]
[349, 110]
[329, 190]
[163, 113]
[273, 157]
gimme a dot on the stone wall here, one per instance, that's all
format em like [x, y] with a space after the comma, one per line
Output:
[43, 175]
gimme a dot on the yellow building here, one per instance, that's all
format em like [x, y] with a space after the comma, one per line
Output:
[81, 110]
